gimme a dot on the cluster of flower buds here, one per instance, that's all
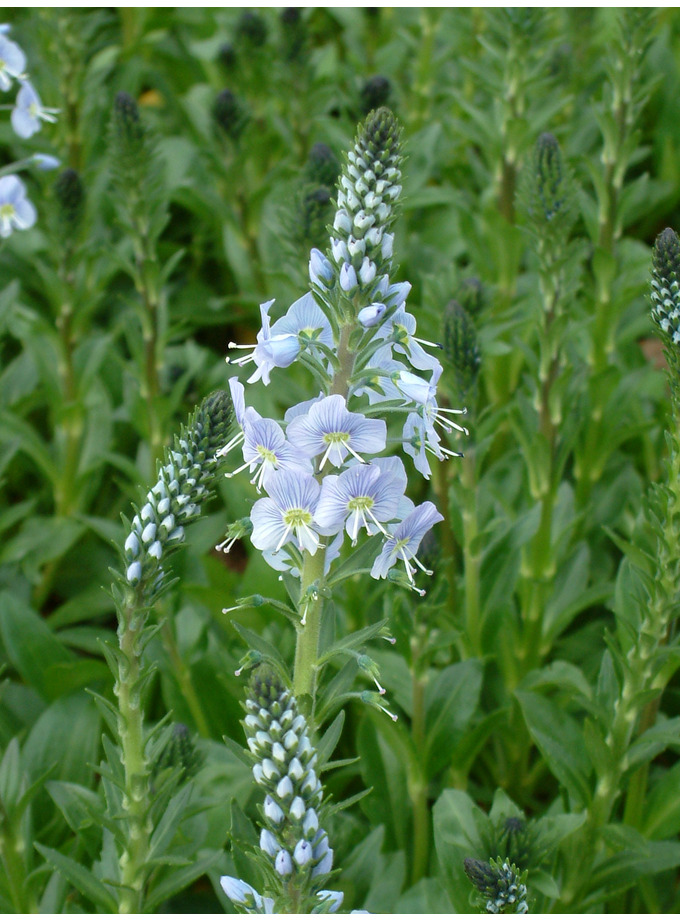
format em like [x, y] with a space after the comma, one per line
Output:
[461, 348]
[353, 332]
[16, 211]
[184, 480]
[294, 849]
[500, 884]
[666, 286]
[368, 187]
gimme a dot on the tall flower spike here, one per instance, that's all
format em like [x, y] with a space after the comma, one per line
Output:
[460, 347]
[368, 188]
[666, 287]
[184, 480]
[293, 846]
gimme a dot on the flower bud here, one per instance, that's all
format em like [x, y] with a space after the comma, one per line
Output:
[322, 166]
[375, 92]
[268, 842]
[297, 808]
[230, 114]
[348, 278]
[272, 810]
[367, 272]
[283, 863]
[134, 573]
[320, 269]
[371, 315]
[303, 852]
[251, 30]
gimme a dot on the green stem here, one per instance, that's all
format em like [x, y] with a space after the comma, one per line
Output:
[307, 644]
[146, 280]
[136, 803]
[15, 871]
[471, 556]
[418, 786]
[183, 675]
[448, 538]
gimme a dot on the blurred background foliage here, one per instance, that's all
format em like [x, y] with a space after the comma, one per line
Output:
[115, 314]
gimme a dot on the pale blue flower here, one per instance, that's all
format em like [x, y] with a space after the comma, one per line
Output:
[12, 62]
[265, 446]
[330, 429]
[418, 440]
[394, 295]
[282, 560]
[424, 393]
[306, 321]
[380, 387]
[361, 496]
[404, 542]
[240, 892]
[16, 211]
[400, 330]
[237, 392]
[287, 513]
[28, 112]
[271, 350]
[301, 408]
[415, 388]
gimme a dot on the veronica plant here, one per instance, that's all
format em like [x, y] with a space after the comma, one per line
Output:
[318, 466]
[294, 853]
[328, 494]
[156, 530]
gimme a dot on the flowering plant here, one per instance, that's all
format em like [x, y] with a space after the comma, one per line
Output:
[354, 334]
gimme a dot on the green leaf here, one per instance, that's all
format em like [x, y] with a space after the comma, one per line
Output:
[664, 734]
[428, 896]
[82, 879]
[255, 641]
[451, 699]
[81, 807]
[460, 829]
[357, 562]
[170, 820]
[617, 873]
[386, 772]
[353, 641]
[11, 776]
[31, 645]
[662, 811]
[560, 740]
[329, 739]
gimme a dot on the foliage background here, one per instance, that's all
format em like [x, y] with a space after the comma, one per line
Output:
[94, 380]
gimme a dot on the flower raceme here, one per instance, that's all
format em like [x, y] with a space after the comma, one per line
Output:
[320, 467]
[294, 847]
